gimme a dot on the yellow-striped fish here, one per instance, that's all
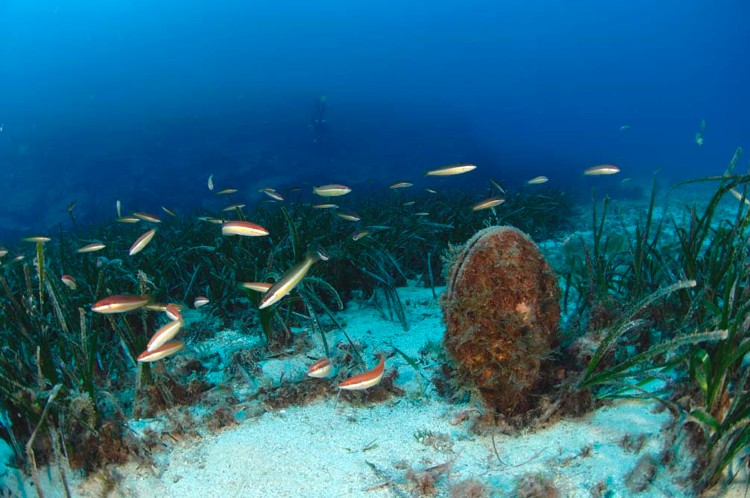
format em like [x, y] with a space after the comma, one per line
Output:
[146, 217]
[488, 203]
[291, 278]
[141, 242]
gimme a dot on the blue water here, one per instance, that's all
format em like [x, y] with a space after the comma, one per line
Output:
[141, 101]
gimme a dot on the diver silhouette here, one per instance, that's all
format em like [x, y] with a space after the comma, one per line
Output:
[318, 122]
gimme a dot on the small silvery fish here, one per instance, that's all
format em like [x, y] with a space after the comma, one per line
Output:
[39, 239]
[348, 216]
[360, 234]
[256, 286]
[93, 247]
[497, 186]
[272, 193]
[538, 180]
[602, 169]
[738, 195]
[398, 185]
[234, 207]
[453, 169]
[332, 190]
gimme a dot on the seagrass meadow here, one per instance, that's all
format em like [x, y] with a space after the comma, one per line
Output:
[294, 249]
[653, 335]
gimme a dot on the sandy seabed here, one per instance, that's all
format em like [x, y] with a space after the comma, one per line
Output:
[329, 449]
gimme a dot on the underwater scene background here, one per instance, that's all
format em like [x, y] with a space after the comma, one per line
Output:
[481, 248]
[141, 100]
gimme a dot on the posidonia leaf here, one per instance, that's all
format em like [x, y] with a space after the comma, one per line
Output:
[701, 368]
[411, 361]
[705, 420]
[622, 369]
